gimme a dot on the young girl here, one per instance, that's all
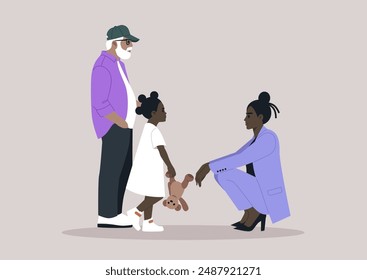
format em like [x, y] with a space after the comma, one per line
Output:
[147, 174]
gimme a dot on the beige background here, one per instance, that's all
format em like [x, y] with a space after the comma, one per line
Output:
[208, 60]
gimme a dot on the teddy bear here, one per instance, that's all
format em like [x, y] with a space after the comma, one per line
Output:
[176, 189]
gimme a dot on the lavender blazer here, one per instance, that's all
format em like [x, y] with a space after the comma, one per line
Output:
[264, 154]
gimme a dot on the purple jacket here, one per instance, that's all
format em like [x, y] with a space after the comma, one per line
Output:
[264, 154]
[108, 92]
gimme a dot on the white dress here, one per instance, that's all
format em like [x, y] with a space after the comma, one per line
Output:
[147, 173]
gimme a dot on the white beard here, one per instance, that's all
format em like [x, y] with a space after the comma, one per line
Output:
[123, 54]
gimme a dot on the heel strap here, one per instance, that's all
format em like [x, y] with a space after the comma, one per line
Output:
[137, 213]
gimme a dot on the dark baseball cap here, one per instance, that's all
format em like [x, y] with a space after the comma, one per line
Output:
[120, 31]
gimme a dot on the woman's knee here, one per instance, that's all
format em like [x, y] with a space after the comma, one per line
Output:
[226, 176]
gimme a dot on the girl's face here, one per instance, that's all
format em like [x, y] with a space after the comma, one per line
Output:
[252, 120]
[160, 115]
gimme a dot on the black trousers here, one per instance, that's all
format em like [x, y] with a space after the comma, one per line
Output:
[116, 161]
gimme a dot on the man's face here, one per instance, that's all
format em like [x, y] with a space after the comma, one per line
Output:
[125, 44]
[124, 48]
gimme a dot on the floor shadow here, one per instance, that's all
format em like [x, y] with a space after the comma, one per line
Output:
[183, 232]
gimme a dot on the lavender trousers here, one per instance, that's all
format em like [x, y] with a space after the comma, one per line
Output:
[243, 189]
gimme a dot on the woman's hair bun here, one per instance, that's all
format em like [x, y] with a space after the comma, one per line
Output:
[154, 94]
[264, 97]
[142, 97]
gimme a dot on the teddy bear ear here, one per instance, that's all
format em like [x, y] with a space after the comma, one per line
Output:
[178, 208]
[165, 202]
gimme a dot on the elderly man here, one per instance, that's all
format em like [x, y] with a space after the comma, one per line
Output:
[113, 113]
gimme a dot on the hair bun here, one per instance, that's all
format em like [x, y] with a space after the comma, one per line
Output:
[142, 97]
[264, 97]
[154, 94]
[139, 111]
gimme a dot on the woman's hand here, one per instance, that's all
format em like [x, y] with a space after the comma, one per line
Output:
[201, 173]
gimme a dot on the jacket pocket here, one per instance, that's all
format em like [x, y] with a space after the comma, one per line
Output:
[275, 191]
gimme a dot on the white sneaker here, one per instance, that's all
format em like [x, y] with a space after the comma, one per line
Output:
[119, 221]
[150, 226]
[134, 217]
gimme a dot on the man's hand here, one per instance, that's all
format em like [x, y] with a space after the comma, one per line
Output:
[113, 117]
[122, 123]
[201, 173]
[138, 103]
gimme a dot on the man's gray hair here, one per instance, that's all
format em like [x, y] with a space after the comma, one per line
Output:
[109, 42]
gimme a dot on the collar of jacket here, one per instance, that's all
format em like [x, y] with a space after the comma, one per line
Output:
[109, 56]
[262, 131]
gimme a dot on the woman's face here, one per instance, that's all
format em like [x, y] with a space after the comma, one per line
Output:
[252, 120]
[160, 115]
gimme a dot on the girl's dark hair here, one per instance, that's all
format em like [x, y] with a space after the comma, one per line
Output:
[148, 105]
[262, 106]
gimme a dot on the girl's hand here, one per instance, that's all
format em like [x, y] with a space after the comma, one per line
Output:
[171, 172]
[164, 155]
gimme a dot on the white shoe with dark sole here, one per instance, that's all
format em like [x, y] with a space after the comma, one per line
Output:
[134, 217]
[119, 221]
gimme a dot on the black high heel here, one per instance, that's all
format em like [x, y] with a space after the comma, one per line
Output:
[243, 220]
[237, 224]
[261, 218]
